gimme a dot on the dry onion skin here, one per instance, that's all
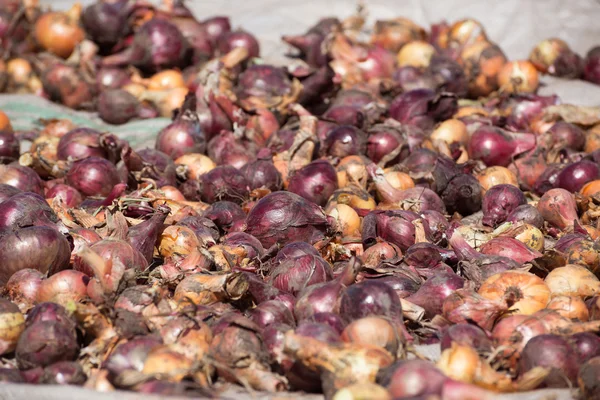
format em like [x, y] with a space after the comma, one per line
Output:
[523, 292]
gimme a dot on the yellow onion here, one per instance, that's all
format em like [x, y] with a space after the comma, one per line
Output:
[523, 292]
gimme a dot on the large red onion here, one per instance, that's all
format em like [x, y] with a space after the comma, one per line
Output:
[554, 352]
[499, 201]
[574, 176]
[224, 183]
[283, 217]
[183, 136]
[344, 141]
[93, 176]
[370, 298]
[495, 146]
[394, 226]
[26, 209]
[293, 275]
[316, 182]
[433, 292]
[106, 21]
[262, 174]
[225, 215]
[37, 247]
[156, 45]
[45, 343]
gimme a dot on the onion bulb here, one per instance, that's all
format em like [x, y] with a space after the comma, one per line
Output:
[523, 292]
[59, 32]
[496, 175]
[518, 77]
[451, 131]
[415, 54]
[572, 280]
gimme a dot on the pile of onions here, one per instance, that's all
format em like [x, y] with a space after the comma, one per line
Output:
[296, 229]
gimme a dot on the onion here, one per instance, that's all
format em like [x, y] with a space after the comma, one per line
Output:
[553, 56]
[465, 334]
[569, 135]
[553, 352]
[448, 75]
[270, 312]
[395, 33]
[415, 54]
[591, 70]
[493, 176]
[571, 307]
[21, 177]
[215, 27]
[26, 209]
[80, 143]
[7, 191]
[382, 142]
[67, 194]
[117, 106]
[433, 292]
[574, 176]
[462, 195]
[523, 292]
[182, 136]
[528, 214]
[586, 345]
[225, 214]
[262, 174]
[588, 377]
[64, 373]
[114, 250]
[482, 62]
[37, 247]
[293, 275]
[373, 330]
[156, 45]
[343, 141]
[22, 287]
[93, 176]
[414, 378]
[518, 77]
[499, 201]
[230, 40]
[495, 146]
[65, 84]
[59, 32]
[314, 182]
[64, 287]
[370, 298]
[224, 183]
[13, 324]
[106, 21]
[282, 217]
[558, 208]
[142, 237]
[45, 343]
[9, 147]
[422, 108]
[572, 280]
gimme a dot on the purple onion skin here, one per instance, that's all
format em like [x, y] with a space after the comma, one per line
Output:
[586, 345]
[499, 201]
[45, 343]
[316, 299]
[8, 191]
[111, 78]
[528, 214]
[106, 21]
[294, 250]
[142, 236]
[262, 174]
[113, 249]
[181, 137]
[68, 194]
[295, 274]
[26, 209]
[370, 298]
[263, 81]
[64, 373]
[23, 178]
[433, 292]
[462, 195]
[395, 226]
[591, 66]
[230, 40]
[215, 27]
[466, 334]
[344, 141]
[554, 352]
[9, 147]
[283, 217]
[225, 214]
[574, 176]
[409, 379]
[438, 224]
[316, 182]
[422, 108]
[423, 255]
[224, 183]
[80, 143]
[52, 312]
[163, 169]
[568, 134]
[117, 106]
[271, 312]
[328, 318]
[36, 247]
[93, 176]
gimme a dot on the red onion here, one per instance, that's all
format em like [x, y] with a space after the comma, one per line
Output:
[414, 378]
[67, 194]
[370, 298]
[231, 40]
[282, 217]
[195, 34]
[499, 201]
[260, 84]
[157, 44]
[130, 355]
[423, 107]
[270, 312]
[495, 146]
[554, 352]
[294, 250]
[438, 224]
[558, 208]
[466, 334]
[37, 247]
[22, 287]
[45, 343]
[316, 182]
[106, 21]
[52, 312]
[212, 118]
[394, 226]
[586, 345]
[328, 318]
[142, 237]
[114, 250]
[225, 214]
[382, 142]
[26, 209]
[462, 195]
[216, 26]
[7, 191]
[117, 106]
[591, 65]
[574, 176]
[111, 78]
[224, 183]
[151, 164]
[262, 174]
[510, 248]
[183, 136]
[9, 147]
[344, 141]
[448, 75]
[310, 43]
[293, 275]
[433, 292]
[589, 378]
[65, 84]
[547, 179]
[93, 176]
[344, 115]
[319, 298]
[64, 373]
[528, 214]
[227, 149]
[567, 134]
[80, 143]
[21, 177]
[64, 287]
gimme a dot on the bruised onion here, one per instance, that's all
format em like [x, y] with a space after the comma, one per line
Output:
[93, 176]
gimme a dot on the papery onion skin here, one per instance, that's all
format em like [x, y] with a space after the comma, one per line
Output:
[523, 292]
[26, 209]
[21, 177]
[114, 250]
[45, 343]
[93, 176]
[499, 201]
[370, 298]
[295, 274]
